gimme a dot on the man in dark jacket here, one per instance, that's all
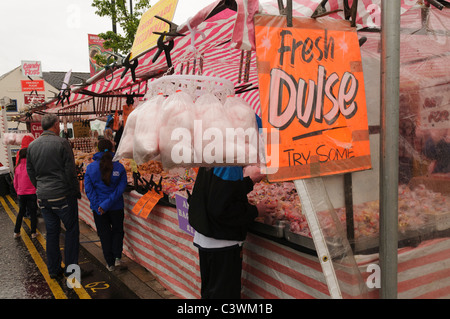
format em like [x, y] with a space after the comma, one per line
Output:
[51, 168]
[220, 213]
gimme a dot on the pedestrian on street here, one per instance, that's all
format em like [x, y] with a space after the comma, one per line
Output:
[27, 195]
[104, 183]
[51, 168]
[27, 139]
[220, 213]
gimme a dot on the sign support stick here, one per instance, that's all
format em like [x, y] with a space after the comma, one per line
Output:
[318, 238]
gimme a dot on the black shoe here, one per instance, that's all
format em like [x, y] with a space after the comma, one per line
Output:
[57, 274]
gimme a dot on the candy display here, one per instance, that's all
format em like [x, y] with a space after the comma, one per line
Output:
[420, 210]
[82, 158]
[84, 144]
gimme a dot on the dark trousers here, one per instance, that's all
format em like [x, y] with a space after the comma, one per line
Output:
[64, 210]
[220, 272]
[110, 230]
[27, 202]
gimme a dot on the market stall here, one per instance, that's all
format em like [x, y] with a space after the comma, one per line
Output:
[280, 256]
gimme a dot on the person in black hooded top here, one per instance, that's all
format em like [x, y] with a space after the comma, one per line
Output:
[220, 213]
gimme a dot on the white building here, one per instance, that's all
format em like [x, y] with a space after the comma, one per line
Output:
[17, 93]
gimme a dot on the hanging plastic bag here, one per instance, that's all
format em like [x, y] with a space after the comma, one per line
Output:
[175, 135]
[245, 134]
[125, 148]
[146, 135]
[9, 138]
[210, 133]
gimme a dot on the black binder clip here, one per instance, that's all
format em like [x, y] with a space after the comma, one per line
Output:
[28, 116]
[110, 66]
[130, 98]
[129, 66]
[156, 187]
[141, 189]
[163, 47]
[63, 95]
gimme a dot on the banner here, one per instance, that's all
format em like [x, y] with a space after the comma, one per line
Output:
[33, 98]
[81, 130]
[312, 91]
[31, 68]
[36, 129]
[32, 85]
[144, 38]
[96, 47]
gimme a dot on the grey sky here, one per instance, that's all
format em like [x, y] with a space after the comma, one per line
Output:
[55, 31]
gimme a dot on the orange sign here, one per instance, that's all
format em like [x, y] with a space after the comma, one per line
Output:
[312, 91]
[32, 85]
[127, 109]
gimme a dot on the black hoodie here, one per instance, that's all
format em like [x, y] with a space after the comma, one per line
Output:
[218, 206]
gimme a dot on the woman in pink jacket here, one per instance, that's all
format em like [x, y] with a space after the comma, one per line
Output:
[26, 193]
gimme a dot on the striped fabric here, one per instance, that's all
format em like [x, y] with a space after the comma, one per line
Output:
[368, 13]
[219, 40]
[270, 270]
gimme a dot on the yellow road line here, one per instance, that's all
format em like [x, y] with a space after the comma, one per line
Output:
[81, 292]
[53, 284]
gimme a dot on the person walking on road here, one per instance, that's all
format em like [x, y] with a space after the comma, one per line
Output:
[27, 194]
[104, 182]
[51, 168]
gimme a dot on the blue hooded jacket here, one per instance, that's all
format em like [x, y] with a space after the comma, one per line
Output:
[101, 195]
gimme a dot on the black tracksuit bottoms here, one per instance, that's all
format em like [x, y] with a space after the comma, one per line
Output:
[220, 272]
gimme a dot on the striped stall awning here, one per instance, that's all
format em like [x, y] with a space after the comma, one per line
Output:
[219, 46]
[207, 51]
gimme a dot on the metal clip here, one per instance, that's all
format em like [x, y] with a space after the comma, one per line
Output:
[287, 11]
[129, 66]
[166, 48]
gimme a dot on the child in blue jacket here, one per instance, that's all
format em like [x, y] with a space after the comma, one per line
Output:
[104, 184]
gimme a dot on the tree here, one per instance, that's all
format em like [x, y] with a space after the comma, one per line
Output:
[127, 19]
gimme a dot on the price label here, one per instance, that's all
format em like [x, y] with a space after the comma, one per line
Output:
[146, 203]
[154, 197]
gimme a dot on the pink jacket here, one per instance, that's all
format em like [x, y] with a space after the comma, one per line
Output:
[22, 183]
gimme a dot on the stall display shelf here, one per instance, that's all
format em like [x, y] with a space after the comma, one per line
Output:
[270, 270]
[289, 224]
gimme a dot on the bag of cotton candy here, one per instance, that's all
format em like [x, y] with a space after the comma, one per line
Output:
[146, 135]
[125, 148]
[210, 130]
[245, 129]
[176, 131]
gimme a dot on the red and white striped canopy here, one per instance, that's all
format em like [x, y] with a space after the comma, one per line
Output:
[219, 40]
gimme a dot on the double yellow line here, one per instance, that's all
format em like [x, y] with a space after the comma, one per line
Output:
[53, 284]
